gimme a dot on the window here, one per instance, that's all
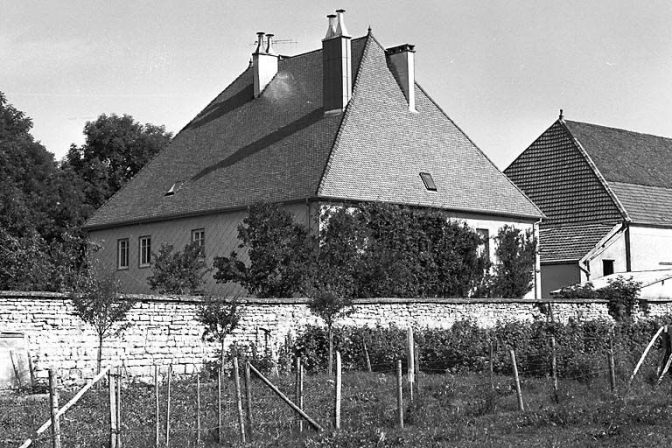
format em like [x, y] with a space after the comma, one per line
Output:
[484, 248]
[607, 267]
[145, 251]
[428, 181]
[122, 253]
[198, 236]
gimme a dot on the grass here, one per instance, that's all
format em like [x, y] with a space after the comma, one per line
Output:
[450, 410]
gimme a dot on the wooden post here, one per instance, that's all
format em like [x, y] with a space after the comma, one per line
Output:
[337, 401]
[410, 359]
[366, 357]
[612, 369]
[53, 398]
[298, 389]
[219, 404]
[646, 352]
[417, 370]
[170, 378]
[157, 420]
[521, 407]
[300, 403]
[118, 407]
[113, 410]
[248, 395]
[198, 409]
[400, 398]
[283, 397]
[492, 367]
[239, 400]
[554, 368]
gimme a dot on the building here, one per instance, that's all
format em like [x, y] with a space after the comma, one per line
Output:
[607, 197]
[347, 122]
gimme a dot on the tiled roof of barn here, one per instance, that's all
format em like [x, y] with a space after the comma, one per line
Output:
[565, 243]
[282, 147]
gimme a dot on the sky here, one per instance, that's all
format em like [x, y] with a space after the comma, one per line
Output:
[501, 70]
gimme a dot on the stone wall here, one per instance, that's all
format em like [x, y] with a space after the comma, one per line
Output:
[163, 330]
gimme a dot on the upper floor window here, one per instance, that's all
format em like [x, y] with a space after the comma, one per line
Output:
[122, 253]
[145, 251]
[484, 248]
[198, 236]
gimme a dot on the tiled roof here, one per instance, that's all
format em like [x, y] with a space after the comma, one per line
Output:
[559, 178]
[569, 242]
[282, 147]
[645, 204]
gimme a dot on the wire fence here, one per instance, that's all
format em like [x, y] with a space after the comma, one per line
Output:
[203, 410]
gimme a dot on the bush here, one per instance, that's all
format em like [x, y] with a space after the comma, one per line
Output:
[622, 295]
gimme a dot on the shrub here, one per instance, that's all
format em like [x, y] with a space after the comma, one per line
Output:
[622, 295]
[180, 272]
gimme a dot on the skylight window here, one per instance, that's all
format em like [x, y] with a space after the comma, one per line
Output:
[428, 181]
[174, 188]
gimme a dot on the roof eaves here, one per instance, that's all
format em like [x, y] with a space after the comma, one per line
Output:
[599, 176]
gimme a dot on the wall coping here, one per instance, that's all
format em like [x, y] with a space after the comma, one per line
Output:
[302, 300]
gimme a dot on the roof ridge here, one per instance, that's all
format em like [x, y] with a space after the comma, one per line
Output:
[346, 115]
[596, 171]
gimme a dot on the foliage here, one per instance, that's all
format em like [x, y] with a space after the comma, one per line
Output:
[115, 150]
[279, 251]
[219, 317]
[513, 270]
[622, 295]
[98, 303]
[181, 272]
[329, 306]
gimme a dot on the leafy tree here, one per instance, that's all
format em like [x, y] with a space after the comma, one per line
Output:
[279, 250]
[98, 303]
[220, 318]
[328, 305]
[513, 271]
[181, 272]
[116, 148]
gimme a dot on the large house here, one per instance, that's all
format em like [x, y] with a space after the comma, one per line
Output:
[344, 123]
[607, 197]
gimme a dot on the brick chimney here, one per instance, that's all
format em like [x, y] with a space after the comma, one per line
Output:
[336, 65]
[401, 60]
[264, 62]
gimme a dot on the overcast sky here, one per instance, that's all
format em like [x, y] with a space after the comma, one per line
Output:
[500, 69]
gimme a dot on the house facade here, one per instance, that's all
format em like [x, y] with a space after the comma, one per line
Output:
[607, 197]
[342, 124]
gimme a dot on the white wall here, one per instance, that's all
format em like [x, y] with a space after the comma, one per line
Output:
[650, 247]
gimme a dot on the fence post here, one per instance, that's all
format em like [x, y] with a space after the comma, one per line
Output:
[366, 357]
[248, 395]
[417, 370]
[337, 401]
[298, 389]
[219, 404]
[113, 409]
[53, 398]
[198, 409]
[118, 407]
[492, 367]
[410, 359]
[554, 368]
[612, 370]
[400, 399]
[157, 436]
[521, 407]
[170, 378]
[239, 400]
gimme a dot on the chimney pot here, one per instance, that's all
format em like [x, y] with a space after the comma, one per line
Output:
[264, 64]
[336, 66]
[269, 48]
[331, 27]
[260, 42]
[340, 29]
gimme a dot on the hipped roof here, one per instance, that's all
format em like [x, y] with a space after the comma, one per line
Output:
[281, 147]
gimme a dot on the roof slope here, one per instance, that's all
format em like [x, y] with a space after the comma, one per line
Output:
[637, 168]
[564, 243]
[282, 147]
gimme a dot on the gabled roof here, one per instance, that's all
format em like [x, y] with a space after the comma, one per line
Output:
[281, 147]
[569, 243]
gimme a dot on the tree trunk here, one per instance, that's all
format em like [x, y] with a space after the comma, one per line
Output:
[100, 354]
[221, 355]
[330, 365]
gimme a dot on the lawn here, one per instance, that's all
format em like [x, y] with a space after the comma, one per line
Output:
[449, 410]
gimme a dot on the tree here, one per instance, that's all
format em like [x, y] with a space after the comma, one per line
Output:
[279, 251]
[328, 305]
[98, 303]
[220, 318]
[513, 271]
[116, 148]
[181, 272]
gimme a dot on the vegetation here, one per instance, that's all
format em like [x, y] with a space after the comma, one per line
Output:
[330, 307]
[98, 303]
[622, 295]
[181, 272]
[219, 318]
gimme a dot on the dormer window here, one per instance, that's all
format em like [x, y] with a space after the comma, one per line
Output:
[428, 181]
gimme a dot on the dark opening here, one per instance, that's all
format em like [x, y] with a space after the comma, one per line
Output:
[607, 267]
